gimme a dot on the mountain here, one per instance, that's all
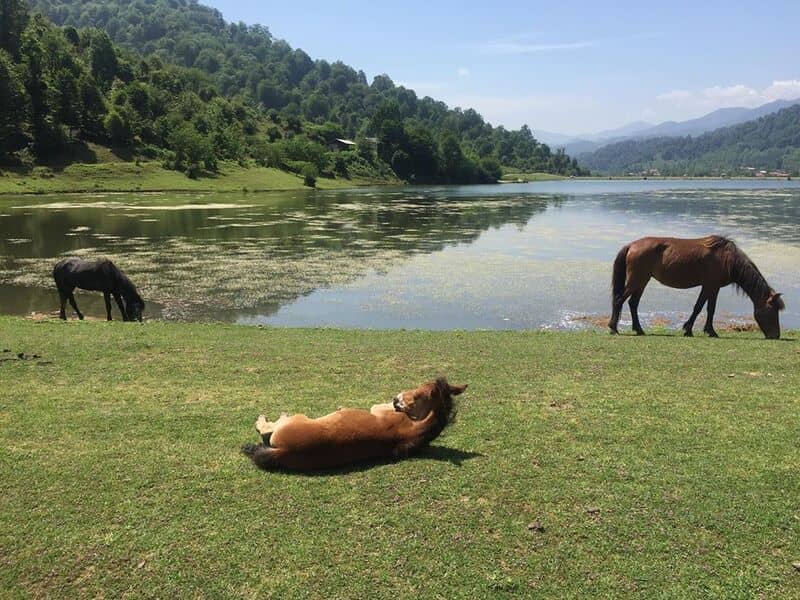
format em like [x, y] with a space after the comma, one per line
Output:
[420, 139]
[633, 129]
[723, 117]
[769, 143]
[189, 90]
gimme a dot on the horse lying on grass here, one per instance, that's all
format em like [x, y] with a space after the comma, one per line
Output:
[711, 262]
[100, 276]
[350, 436]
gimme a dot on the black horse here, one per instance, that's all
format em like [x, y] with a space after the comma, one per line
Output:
[101, 276]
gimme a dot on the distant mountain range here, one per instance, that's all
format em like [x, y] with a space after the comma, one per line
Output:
[766, 145]
[723, 117]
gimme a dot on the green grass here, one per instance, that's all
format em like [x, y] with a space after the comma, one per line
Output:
[526, 177]
[657, 466]
[151, 176]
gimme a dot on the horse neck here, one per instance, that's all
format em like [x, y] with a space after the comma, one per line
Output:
[126, 288]
[425, 430]
[746, 276]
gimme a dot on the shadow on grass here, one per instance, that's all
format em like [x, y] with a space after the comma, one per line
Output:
[454, 456]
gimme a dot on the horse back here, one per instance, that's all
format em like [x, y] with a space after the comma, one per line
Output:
[94, 275]
[680, 262]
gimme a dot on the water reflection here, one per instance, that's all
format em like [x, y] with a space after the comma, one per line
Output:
[473, 257]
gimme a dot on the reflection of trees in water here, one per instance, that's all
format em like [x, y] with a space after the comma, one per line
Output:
[200, 262]
[761, 214]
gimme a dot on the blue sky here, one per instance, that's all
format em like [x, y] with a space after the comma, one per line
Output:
[570, 67]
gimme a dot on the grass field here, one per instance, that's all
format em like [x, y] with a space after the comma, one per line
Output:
[580, 465]
[150, 177]
[512, 176]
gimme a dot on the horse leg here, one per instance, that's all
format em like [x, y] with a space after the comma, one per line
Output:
[712, 306]
[633, 303]
[107, 298]
[265, 428]
[118, 300]
[616, 309]
[62, 295]
[698, 306]
[74, 305]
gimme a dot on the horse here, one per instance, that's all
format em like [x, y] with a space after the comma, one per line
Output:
[711, 262]
[97, 275]
[347, 437]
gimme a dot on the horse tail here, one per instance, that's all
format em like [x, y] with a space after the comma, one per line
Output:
[264, 457]
[620, 274]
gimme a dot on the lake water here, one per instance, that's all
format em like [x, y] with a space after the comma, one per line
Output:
[509, 256]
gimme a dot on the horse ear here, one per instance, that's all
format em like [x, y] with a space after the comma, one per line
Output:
[455, 390]
[776, 301]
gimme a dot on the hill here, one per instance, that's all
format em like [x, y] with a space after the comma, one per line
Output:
[294, 107]
[723, 117]
[769, 143]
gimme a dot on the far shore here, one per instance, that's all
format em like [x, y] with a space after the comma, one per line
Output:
[232, 177]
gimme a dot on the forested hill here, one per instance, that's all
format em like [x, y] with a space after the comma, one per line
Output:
[182, 74]
[770, 143]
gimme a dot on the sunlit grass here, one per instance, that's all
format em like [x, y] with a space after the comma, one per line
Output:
[151, 176]
[580, 465]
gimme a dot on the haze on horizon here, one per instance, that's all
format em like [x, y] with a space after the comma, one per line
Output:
[598, 66]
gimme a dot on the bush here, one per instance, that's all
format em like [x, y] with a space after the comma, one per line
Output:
[309, 174]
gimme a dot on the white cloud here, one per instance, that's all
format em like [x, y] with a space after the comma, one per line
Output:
[740, 94]
[462, 72]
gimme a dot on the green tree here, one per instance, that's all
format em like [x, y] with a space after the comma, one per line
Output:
[103, 58]
[12, 106]
[13, 19]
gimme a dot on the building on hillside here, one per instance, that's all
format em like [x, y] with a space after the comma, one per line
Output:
[342, 144]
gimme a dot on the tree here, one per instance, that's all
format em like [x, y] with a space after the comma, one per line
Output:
[12, 106]
[13, 19]
[118, 128]
[103, 58]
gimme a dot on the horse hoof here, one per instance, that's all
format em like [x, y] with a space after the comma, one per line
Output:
[687, 333]
[614, 332]
[262, 425]
[712, 334]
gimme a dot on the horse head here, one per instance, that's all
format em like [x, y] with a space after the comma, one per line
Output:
[434, 396]
[134, 307]
[766, 315]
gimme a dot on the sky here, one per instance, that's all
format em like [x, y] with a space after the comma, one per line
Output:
[571, 67]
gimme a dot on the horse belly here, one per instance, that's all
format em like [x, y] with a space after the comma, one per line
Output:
[676, 277]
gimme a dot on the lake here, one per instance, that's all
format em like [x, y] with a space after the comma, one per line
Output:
[511, 256]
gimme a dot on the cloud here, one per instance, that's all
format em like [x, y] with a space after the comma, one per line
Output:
[462, 72]
[719, 96]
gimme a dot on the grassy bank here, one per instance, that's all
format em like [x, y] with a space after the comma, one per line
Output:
[152, 177]
[581, 465]
[514, 177]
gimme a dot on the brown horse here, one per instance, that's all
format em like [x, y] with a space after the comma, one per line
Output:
[711, 262]
[350, 436]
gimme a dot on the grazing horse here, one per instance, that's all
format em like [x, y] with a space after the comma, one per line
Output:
[97, 275]
[711, 262]
[350, 436]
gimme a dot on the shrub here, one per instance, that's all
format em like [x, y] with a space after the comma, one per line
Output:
[309, 174]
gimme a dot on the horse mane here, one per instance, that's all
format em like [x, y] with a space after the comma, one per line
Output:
[443, 415]
[743, 272]
[126, 286]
